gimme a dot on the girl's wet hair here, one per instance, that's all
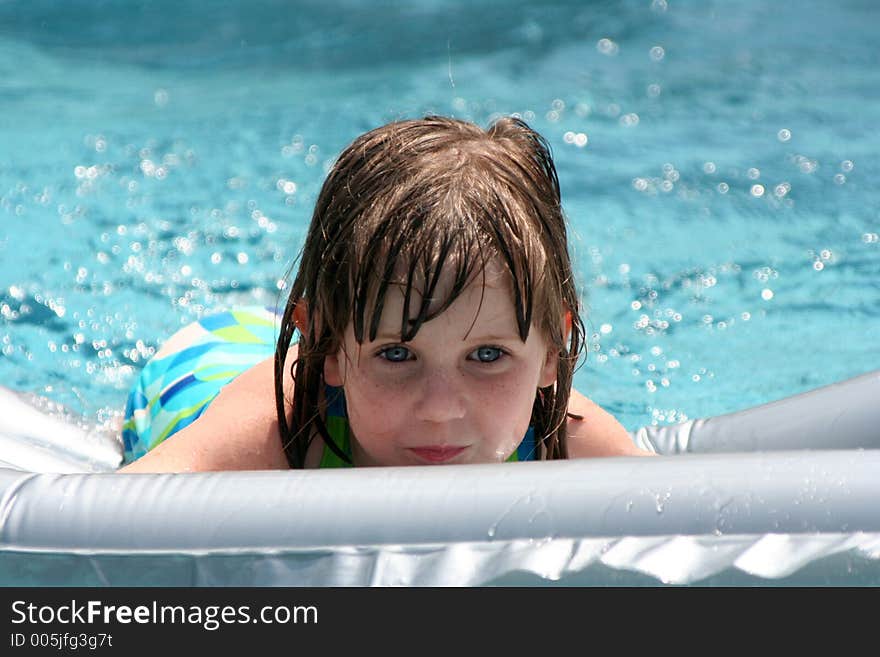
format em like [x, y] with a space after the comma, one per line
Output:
[401, 204]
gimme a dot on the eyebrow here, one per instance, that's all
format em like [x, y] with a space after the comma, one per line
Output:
[512, 337]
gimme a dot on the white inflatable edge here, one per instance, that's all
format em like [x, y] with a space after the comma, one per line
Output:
[684, 517]
[678, 519]
[37, 435]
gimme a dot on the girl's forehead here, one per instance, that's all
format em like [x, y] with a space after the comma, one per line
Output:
[422, 286]
[486, 297]
[491, 275]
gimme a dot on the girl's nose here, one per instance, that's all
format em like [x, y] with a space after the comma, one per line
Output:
[442, 399]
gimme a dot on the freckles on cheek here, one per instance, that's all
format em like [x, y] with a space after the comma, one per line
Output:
[372, 410]
[518, 389]
[508, 405]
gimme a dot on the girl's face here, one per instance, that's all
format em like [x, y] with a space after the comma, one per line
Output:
[460, 392]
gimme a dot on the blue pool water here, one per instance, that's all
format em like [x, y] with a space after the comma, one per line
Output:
[718, 162]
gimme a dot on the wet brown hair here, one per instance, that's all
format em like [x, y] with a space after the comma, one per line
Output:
[417, 197]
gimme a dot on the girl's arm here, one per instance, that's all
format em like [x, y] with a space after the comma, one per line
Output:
[238, 430]
[598, 434]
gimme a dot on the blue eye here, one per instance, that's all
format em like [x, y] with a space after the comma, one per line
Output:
[487, 354]
[396, 354]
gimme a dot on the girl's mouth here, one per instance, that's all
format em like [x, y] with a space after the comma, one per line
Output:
[435, 454]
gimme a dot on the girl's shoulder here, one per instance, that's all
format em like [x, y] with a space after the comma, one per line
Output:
[595, 431]
[237, 431]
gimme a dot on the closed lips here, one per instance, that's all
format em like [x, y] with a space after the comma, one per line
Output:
[437, 453]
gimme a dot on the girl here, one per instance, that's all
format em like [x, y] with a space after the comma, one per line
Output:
[437, 317]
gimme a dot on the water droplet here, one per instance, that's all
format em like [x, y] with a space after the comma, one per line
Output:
[805, 164]
[661, 500]
[579, 139]
[607, 47]
[783, 135]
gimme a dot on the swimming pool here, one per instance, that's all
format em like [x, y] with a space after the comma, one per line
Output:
[718, 165]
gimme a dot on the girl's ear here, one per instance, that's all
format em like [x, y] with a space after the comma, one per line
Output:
[332, 369]
[301, 316]
[551, 362]
[549, 370]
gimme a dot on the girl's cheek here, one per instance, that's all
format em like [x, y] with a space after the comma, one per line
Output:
[385, 391]
[382, 375]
